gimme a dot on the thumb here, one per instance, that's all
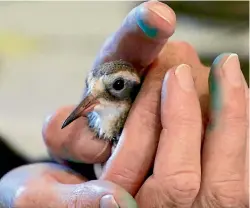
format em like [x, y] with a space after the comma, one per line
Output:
[50, 185]
[96, 193]
[92, 194]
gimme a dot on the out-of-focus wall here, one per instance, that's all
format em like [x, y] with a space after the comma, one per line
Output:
[47, 47]
[45, 50]
[214, 27]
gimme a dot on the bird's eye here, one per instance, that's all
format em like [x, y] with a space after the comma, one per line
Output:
[118, 85]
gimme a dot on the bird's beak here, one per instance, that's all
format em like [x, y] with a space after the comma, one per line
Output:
[84, 107]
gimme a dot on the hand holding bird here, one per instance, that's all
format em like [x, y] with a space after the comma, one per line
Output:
[110, 91]
[163, 128]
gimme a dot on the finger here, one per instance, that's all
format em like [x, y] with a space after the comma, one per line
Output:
[129, 164]
[25, 180]
[139, 40]
[178, 52]
[246, 178]
[141, 36]
[54, 186]
[246, 173]
[177, 174]
[75, 143]
[224, 151]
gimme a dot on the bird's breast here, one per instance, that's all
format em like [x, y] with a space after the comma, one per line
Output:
[105, 119]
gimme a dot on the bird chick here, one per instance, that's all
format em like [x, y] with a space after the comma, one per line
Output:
[110, 91]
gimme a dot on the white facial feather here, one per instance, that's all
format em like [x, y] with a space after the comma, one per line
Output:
[105, 115]
[96, 86]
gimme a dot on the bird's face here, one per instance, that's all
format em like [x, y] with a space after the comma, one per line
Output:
[110, 92]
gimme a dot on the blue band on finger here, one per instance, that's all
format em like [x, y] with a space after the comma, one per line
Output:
[148, 30]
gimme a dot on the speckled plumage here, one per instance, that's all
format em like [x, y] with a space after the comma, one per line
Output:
[108, 117]
[109, 125]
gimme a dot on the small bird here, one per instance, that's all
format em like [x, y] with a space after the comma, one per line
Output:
[110, 91]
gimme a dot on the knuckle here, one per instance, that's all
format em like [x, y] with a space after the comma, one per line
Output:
[212, 202]
[228, 193]
[178, 51]
[219, 202]
[181, 188]
[152, 191]
[125, 178]
[183, 46]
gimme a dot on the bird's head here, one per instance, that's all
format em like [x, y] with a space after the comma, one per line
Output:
[110, 91]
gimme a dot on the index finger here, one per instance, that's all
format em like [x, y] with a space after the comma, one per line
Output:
[140, 38]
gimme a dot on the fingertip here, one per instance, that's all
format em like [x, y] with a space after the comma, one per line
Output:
[217, 64]
[108, 201]
[179, 95]
[156, 19]
[76, 142]
[220, 59]
[103, 194]
[141, 36]
[183, 77]
[180, 52]
[52, 123]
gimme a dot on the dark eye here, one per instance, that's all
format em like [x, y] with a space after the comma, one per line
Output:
[118, 85]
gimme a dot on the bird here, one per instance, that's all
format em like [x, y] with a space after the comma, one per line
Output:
[110, 91]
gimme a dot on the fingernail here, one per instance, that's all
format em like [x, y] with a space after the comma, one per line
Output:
[184, 77]
[161, 10]
[141, 16]
[232, 71]
[214, 84]
[155, 19]
[215, 90]
[108, 201]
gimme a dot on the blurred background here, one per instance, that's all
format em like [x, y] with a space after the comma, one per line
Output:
[44, 45]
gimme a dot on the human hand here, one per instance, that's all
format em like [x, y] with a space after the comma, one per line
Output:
[197, 164]
[47, 185]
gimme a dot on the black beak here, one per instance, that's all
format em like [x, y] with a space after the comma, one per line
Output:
[84, 107]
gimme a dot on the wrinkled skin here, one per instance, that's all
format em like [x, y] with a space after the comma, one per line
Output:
[195, 164]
